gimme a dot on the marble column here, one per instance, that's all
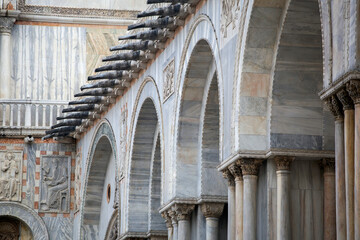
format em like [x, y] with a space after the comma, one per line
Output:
[169, 225]
[336, 108]
[212, 212]
[6, 25]
[250, 168]
[174, 223]
[183, 213]
[283, 227]
[231, 229]
[329, 199]
[353, 87]
[235, 170]
[349, 138]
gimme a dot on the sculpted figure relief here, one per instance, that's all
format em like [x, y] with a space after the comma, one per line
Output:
[169, 72]
[78, 182]
[55, 184]
[229, 14]
[10, 175]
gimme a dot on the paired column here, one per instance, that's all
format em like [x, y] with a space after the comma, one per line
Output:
[212, 212]
[348, 108]
[231, 227]
[336, 109]
[183, 213]
[235, 170]
[283, 227]
[353, 87]
[174, 223]
[169, 225]
[329, 199]
[250, 168]
[6, 25]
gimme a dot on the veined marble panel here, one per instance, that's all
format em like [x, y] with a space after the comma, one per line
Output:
[48, 62]
[105, 4]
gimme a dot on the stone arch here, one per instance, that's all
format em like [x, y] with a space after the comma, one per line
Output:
[258, 53]
[101, 164]
[26, 215]
[146, 165]
[112, 232]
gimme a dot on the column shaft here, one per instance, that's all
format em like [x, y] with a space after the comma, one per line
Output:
[212, 228]
[283, 205]
[249, 214]
[184, 230]
[349, 171]
[357, 173]
[329, 200]
[175, 231]
[340, 180]
[5, 65]
[239, 186]
[231, 213]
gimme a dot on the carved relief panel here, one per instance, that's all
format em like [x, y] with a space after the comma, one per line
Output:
[10, 175]
[168, 80]
[123, 136]
[229, 15]
[55, 184]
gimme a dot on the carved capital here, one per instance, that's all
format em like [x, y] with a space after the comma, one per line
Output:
[172, 214]
[345, 99]
[6, 24]
[227, 175]
[212, 210]
[235, 170]
[328, 164]
[353, 88]
[183, 211]
[167, 218]
[250, 166]
[334, 106]
[283, 162]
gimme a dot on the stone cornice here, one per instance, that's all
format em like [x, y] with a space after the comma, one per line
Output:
[309, 154]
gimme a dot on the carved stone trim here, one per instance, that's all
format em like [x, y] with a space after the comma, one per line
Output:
[183, 211]
[172, 215]
[68, 11]
[283, 162]
[227, 175]
[235, 170]
[212, 210]
[167, 218]
[168, 80]
[6, 24]
[334, 106]
[328, 164]
[345, 99]
[353, 88]
[250, 166]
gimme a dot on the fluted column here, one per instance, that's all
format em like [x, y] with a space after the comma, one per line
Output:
[6, 25]
[353, 87]
[235, 170]
[212, 212]
[329, 199]
[336, 108]
[183, 213]
[231, 226]
[349, 137]
[174, 223]
[169, 225]
[250, 168]
[283, 227]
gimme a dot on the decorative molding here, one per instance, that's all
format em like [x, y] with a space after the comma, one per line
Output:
[212, 210]
[183, 211]
[353, 88]
[229, 15]
[283, 162]
[168, 80]
[6, 24]
[55, 184]
[227, 175]
[172, 214]
[11, 175]
[168, 219]
[68, 11]
[345, 99]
